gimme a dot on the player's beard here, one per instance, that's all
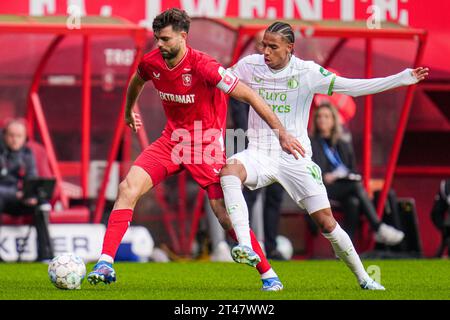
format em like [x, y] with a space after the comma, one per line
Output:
[170, 54]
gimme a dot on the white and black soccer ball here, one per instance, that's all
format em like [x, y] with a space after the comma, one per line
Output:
[67, 271]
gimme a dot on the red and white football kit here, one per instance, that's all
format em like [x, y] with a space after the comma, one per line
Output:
[192, 95]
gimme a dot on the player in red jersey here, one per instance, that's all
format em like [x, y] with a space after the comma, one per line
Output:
[192, 88]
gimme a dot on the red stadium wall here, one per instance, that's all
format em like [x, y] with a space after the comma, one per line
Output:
[431, 15]
[418, 13]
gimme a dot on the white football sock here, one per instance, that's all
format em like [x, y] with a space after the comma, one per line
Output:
[269, 274]
[107, 258]
[343, 247]
[236, 208]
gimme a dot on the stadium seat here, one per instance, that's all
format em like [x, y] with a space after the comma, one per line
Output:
[7, 219]
[77, 214]
[70, 215]
[40, 154]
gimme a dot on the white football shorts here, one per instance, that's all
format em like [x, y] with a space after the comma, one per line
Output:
[302, 178]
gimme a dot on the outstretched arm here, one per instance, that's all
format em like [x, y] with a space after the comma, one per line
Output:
[359, 87]
[288, 143]
[133, 119]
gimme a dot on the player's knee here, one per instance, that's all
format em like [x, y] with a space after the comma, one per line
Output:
[128, 191]
[328, 225]
[235, 172]
[324, 220]
[228, 170]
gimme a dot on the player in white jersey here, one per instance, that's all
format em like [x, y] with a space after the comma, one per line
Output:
[288, 84]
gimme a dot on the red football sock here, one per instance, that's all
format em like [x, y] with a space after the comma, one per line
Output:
[264, 265]
[118, 223]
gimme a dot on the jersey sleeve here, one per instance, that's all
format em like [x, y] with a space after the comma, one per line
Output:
[216, 75]
[242, 69]
[239, 69]
[359, 87]
[320, 79]
[143, 70]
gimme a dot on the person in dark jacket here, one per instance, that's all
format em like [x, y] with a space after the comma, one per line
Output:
[336, 158]
[440, 212]
[17, 163]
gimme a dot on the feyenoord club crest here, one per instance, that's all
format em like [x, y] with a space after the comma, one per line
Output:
[187, 79]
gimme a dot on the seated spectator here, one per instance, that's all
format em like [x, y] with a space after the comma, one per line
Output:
[17, 163]
[336, 158]
[441, 209]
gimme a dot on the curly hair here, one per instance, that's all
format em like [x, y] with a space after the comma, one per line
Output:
[177, 18]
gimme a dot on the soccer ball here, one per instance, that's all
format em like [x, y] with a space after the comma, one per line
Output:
[67, 271]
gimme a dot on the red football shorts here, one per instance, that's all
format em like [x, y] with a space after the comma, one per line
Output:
[165, 157]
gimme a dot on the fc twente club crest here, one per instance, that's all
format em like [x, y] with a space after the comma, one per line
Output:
[187, 79]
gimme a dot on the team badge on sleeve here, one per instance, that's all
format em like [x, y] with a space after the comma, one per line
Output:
[229, 80]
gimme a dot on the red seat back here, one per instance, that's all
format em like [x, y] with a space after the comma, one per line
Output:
[42, 163]
[70, 215]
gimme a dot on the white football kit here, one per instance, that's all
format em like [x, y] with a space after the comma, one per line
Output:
[290, 92]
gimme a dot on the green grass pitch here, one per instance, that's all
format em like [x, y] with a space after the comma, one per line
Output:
[314, 279]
